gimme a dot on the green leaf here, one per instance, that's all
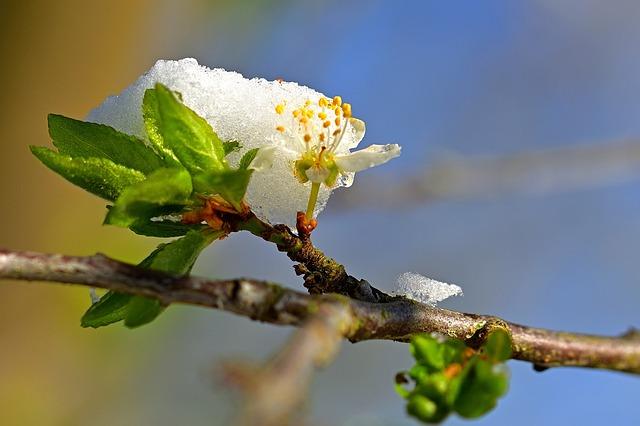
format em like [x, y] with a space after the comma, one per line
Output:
[163, 229]
[177, 257]
[165, 191]
[427, 350]
[230, 146]
[112, 307]
[247, 158]
[498, 345]
[90, 140]
[426, 410]
[142, 310]
[151, 117]
[188, 135]
[479, 391]
[99, 176]
[230, 184]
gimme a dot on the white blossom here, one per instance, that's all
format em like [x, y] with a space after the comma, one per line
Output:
[295, 152]
[426, 290]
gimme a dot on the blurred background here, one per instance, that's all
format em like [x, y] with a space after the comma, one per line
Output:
[511, 89]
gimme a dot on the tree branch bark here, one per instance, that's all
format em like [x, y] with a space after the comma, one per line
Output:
[396, 319]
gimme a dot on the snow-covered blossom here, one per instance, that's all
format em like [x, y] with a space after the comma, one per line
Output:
[426, 290]
[302, 148]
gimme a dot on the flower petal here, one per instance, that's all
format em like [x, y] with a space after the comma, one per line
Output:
[371, 156]
[263, 159]
[360, 128]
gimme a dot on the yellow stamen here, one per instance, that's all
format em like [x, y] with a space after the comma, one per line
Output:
[337, 121]
[337, 101]
[346, 110]
[279, 109]
[307, 137]
[322, 115]
[280, 129]
[326, 124]
[322, 102]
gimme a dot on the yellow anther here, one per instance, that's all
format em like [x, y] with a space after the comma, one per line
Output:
[296, 113]
[337, 121]
[321, 137]
[326, 124]
[337, 101]
[280, 128]
[307, 103]
[322, 115]
[337, 110]
[309, 113]
[336, 132]
[279, 109]
[304, 120]
[346, 110]
[307, 137]
[322, 102]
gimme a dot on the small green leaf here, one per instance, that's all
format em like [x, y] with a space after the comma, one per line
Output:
[247, 158]
[90, 140]
[498, 345]
[188, 135]
[230, 184]
[478, 392]
[426, 410]
[427, 350]
[179, 256]
[165, 191]
[163, 229]
[99, 176]
[141, 311]
[112, 307]
[231, 146]
[176, 257]
[151, 116]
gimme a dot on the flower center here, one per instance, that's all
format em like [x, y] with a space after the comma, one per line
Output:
[316, 126]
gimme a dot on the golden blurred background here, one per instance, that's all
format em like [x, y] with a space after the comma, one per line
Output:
[63, 57]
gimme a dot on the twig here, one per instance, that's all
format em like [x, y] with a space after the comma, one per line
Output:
[321, 273]
[274, 393]
[263, 301]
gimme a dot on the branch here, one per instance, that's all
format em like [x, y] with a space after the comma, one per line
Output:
[397, 319]
[321, 273]
[536, 172]
[276, 391]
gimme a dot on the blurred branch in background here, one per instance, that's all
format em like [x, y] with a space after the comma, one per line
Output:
[535, 172]
[275, 392]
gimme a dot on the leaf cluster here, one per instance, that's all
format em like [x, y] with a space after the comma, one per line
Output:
[450, 377]
[150, 184]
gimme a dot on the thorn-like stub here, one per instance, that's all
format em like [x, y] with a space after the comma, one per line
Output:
[540, 368]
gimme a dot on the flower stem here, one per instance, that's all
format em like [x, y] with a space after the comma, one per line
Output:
[313, 197]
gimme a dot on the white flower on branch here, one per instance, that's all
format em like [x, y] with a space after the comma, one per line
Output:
[426, 290]
[309, 136]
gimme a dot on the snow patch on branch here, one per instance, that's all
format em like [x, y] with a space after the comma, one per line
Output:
[426, 290]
